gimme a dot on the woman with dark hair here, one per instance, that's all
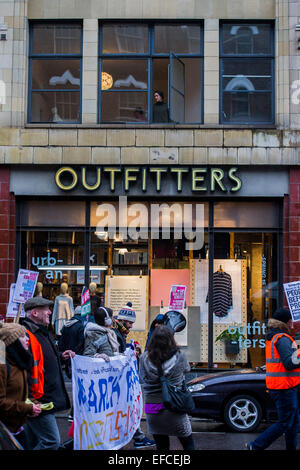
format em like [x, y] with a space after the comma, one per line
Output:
[162, 423]
[160, 108]
[100, 339]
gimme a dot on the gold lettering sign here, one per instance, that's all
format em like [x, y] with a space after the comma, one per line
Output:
[193, 179]
[66, 170]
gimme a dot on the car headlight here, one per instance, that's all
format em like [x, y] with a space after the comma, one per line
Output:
[196, 387]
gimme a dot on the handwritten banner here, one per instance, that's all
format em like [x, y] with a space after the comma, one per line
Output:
[107, 401]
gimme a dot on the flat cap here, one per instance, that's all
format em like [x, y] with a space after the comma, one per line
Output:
[37, 302]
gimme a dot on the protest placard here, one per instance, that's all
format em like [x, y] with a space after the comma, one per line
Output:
[177, 298]
[13, 307]
[24, 288]
[25, 285]
[85, 301]
[107, 401]
[292, 293]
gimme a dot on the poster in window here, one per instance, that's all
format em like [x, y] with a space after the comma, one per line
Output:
[123, 289]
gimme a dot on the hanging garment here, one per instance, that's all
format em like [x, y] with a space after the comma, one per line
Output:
[222, 293]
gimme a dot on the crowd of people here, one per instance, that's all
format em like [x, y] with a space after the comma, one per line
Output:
[32, 383]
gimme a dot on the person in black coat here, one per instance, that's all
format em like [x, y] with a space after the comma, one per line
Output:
[42, 432]
[72, 337]
[160, 108]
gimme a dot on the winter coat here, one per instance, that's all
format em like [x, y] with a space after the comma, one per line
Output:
[161, 112]
[13, 393]
[72, 335]
[99, 340]
[174, 369]
[283, 344]
[54, 385]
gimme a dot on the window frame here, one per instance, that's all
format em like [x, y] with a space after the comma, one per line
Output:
[243, 57]
[45, 56]
[150, 55]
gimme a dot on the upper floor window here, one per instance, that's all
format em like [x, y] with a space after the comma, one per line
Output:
[55, 72]
[150, 73]
[247, 73]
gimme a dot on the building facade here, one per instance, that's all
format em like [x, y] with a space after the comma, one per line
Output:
[94, 171]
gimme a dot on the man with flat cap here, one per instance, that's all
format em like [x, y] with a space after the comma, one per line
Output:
[282, 382]
[42, 432]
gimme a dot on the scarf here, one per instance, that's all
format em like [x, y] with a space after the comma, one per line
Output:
[112, 338]
[119, 326]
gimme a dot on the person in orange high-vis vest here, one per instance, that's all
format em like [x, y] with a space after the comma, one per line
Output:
[282, 381]
[36, 379]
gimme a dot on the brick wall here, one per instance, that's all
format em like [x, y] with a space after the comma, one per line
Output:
[291, 229]
[7, 238]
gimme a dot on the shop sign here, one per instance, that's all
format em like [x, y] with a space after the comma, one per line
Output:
[200, 179]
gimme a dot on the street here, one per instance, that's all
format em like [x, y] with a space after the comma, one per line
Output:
[208, 435]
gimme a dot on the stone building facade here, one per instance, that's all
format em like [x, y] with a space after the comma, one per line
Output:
[255, 147]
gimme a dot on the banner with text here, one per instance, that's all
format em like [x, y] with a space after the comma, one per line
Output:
[107, 401]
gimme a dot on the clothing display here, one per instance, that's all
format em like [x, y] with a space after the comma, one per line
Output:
[62, 312]
[222, 293]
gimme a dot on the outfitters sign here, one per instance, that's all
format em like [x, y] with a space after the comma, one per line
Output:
[150, 179]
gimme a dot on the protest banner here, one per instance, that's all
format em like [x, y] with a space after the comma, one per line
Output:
[107, 401]
[292, 293]
[85, 301]
[13, 307]
[177, 298]
[24, 289]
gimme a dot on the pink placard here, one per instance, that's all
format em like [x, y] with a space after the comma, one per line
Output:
[161, 282]
[177, 298]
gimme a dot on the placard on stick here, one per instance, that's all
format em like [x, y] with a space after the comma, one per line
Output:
[292, 293]
[25, 287]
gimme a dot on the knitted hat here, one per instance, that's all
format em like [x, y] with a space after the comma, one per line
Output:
[10, 332]
[127, 313]
[282, 314]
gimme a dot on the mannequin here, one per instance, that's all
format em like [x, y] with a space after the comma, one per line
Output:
[63, 309]
[39, 289]
[95, 300]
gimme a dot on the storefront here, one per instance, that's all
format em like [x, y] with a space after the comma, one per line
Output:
[137, 230]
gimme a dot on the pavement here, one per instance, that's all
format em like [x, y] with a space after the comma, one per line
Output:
[208, 435]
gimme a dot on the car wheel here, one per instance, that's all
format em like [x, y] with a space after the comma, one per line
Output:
[242, 413]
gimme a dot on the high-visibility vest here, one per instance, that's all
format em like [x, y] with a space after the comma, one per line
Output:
[37, 371]
[277, 376]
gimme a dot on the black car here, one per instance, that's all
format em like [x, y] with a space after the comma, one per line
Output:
[238, 398]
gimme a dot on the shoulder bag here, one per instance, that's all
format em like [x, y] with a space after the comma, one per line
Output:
[175, 398]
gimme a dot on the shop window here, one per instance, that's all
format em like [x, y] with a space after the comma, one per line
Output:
[55, 72]
[247, 73]
[52, 214]
[137, 60]
[58, 257]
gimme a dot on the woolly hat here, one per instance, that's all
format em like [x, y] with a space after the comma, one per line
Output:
[282, 314]
[10, 332]
[127, 313]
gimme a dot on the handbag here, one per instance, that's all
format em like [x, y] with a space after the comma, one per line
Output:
[175, 398]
